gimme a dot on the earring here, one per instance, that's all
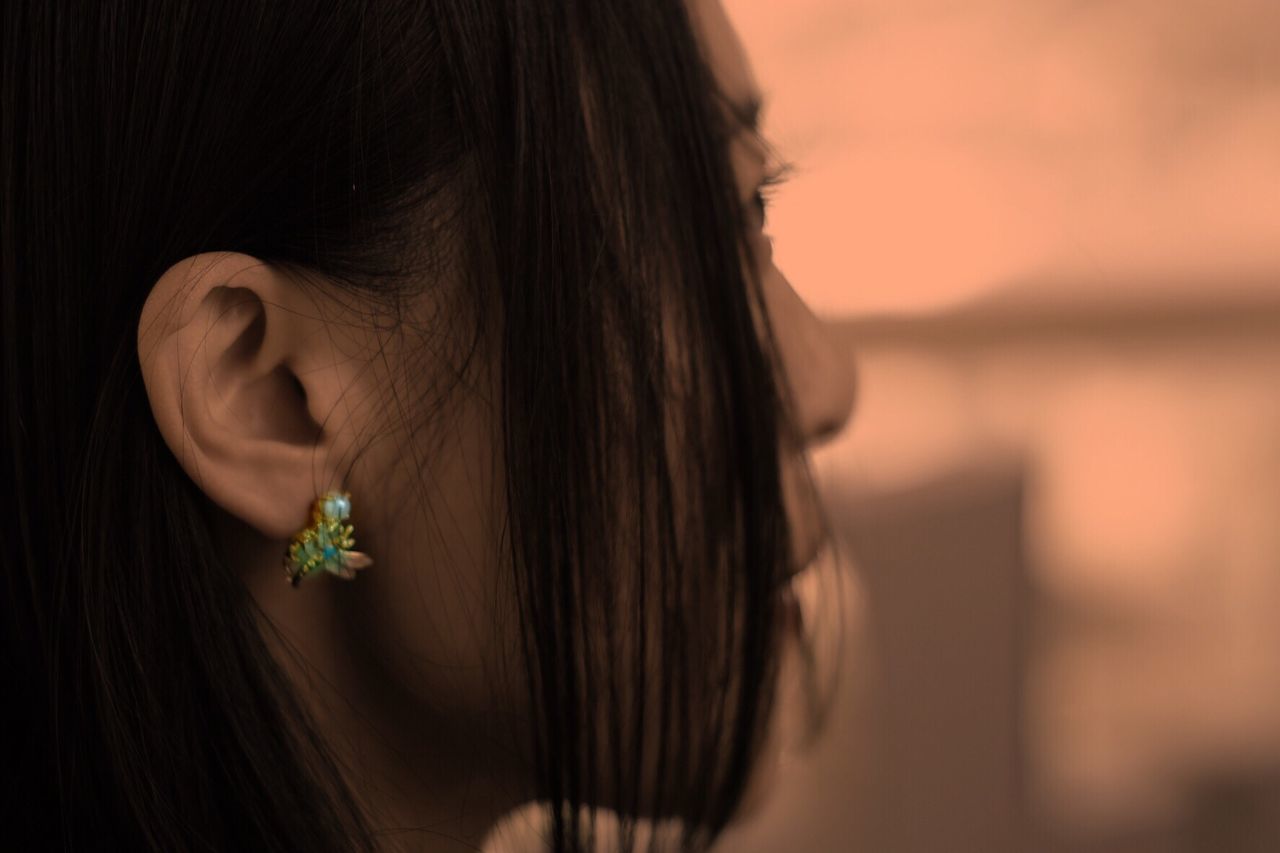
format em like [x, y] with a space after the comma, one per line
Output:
[326, 545]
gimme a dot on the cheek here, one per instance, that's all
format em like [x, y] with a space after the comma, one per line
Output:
[435, 612]
[763, 244]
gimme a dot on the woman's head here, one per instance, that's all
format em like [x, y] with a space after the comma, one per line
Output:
[495, 269]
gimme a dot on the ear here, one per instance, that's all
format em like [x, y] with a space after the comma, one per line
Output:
[245, 378]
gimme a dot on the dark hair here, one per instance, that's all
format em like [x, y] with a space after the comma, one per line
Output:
[576, 152]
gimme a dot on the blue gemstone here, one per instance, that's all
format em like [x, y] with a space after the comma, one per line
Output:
[337, 506]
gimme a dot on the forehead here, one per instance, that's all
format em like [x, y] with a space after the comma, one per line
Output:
[724, 51]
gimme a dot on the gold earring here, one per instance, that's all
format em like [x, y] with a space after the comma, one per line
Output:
[326, 545]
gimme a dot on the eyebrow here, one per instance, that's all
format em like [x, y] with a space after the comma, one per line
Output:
[747, 112]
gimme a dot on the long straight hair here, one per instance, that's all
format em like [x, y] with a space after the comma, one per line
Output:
[576, 154]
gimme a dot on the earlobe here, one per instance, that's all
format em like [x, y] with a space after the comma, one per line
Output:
[242, 379]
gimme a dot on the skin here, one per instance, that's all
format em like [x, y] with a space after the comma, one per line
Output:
[270, 390]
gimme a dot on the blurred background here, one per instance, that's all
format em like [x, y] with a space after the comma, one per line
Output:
[1047, 233]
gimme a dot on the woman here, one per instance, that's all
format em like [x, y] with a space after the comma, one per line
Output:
[496, 272]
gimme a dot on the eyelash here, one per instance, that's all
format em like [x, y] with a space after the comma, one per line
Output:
[775, 178]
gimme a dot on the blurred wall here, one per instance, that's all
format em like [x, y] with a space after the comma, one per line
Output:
[1048, 230]
[953, 149]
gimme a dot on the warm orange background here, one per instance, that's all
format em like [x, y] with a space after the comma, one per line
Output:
[1049, 233]
[952, 150]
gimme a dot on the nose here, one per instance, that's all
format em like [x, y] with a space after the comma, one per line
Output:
[819, 368]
